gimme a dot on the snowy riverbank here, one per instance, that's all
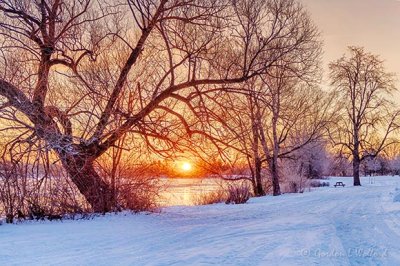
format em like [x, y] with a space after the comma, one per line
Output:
[328, 226]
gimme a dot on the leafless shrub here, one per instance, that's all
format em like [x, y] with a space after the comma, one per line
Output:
[134, 187]
[37, 189]
[67, 201]
[34, 191]
[36, 211]
[294, 187]
[317, 183]
[56, 200]
[12, 191]
[238, 193]
[211, 197]
[138, 194]
[267, 185]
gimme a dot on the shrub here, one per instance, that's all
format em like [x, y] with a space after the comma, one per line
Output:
[137, 198]
[12, 190]
[212, 197]
[134, 186]
[238, 194]
[317, 183]
[325, 184]
[294, 187]
[29, 191]
[36, 211]
[137, 193]
[43, 190]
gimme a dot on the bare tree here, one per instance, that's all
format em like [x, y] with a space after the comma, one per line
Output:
[239, 113]
[245, 115]
[82, 74]
[367, 120]
[287, 97]
[295, 118]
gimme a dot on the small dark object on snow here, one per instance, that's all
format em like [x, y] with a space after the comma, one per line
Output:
[53, 217]
[21, 215]
[339, 184]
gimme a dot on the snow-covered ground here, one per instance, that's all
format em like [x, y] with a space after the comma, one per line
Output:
[329, 226]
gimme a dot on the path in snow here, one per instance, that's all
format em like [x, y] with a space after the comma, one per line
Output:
[329, 226]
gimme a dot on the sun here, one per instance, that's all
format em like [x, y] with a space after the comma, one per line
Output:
[186, 166]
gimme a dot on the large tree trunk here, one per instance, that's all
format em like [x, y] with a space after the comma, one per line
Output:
[275, 177]
[356, 170]
[258, 180]
[356, 158]
[276, 149]
[95, 190]
[259, 190]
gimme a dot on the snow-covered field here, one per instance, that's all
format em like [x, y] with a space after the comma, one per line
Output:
[329, 226]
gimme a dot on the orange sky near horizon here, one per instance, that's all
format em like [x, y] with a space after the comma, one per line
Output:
[373, 24]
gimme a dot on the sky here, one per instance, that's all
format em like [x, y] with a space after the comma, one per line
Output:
[373, 24]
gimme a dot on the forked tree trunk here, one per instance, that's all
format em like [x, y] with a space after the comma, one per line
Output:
[95, 190]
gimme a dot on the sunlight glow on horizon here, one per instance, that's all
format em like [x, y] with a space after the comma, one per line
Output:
[186, 166]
